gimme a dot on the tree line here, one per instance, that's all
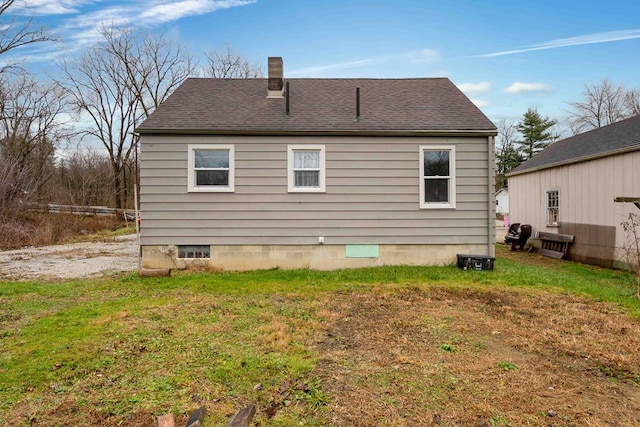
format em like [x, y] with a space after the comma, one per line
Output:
[96, 100]
[601, 104]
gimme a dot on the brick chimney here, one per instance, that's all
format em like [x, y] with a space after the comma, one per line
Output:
[276, 77]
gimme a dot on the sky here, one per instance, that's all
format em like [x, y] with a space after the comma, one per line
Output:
[505, 55]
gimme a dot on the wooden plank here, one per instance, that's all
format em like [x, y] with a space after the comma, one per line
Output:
[634, 200]
[195, 420]
[551, 254]
[155, 272]
[555, 237]
[243, 417]
[166, 421]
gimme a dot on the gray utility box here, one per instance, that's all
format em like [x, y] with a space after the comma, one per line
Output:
[475, 262]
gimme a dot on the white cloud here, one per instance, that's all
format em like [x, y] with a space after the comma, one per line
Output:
[84, 29]
[480, 87]
[336, 66]
[87, 17]
[174, 10]
[420, 56]
[480, 103]
[519, 87]
[605, 37]
[425, 55]
[50, 7]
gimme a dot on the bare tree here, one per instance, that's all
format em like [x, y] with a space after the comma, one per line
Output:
[16, 33]
[84, 178]
[30, 131]
[116, 84]
[507, 134]
[630, 249]
[507, 155]
[602, 104]
[154, 65]
[632, 102]
[16, 188]
[99, 94]
[230, 65]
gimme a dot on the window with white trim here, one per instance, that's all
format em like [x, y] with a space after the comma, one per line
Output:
[437, 177]
[211, 168]
[553, 208]
[306, 168]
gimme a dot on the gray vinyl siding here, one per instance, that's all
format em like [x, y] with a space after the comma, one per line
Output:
[372, 194]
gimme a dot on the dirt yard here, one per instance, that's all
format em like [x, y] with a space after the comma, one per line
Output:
[70, 261]
[455, 357]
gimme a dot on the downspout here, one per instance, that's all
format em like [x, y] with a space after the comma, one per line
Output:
[491, 250]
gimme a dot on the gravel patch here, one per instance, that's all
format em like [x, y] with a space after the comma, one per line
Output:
[71, 261]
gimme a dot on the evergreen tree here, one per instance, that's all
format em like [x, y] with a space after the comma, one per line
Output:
[536, 132]
[507, 159]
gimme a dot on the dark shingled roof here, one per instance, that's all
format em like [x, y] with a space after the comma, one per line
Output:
[615, 138]
[203, 105]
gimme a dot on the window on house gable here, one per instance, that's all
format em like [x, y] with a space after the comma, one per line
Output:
[211, 168]
[306, 168]
[437, 177]
[553, 208]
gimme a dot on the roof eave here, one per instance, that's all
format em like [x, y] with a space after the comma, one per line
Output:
[576, 160]
[343, 132]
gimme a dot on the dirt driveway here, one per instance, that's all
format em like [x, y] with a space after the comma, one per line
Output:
[87, 259]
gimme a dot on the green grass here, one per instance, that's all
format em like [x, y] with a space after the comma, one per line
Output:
[127, 344]
[602, 284]
[507, 366]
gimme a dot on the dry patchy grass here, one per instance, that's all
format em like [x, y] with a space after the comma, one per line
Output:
[43, 229]
[478, 358]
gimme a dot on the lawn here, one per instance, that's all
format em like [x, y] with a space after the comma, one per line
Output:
[534, 342]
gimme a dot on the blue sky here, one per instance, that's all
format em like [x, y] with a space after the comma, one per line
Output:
[506, 55]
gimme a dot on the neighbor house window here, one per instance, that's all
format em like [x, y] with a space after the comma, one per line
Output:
[553, 208]
[211, 168]
[194, 251]
[437, 177]
[306, 168]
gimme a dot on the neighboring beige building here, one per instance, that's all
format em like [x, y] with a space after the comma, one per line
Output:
[320, 173]
[570, 187]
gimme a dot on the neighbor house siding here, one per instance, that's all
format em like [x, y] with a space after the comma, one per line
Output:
[502, 202]
[587, 209]
[372, 194]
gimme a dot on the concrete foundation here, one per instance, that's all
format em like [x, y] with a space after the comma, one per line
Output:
[317, 257]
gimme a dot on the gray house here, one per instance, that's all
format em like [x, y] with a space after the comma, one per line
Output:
[320, 173]
[571, 187]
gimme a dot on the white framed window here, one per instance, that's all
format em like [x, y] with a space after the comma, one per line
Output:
[306, 168]
[211, 168]
[437, 177]
[553, 208]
